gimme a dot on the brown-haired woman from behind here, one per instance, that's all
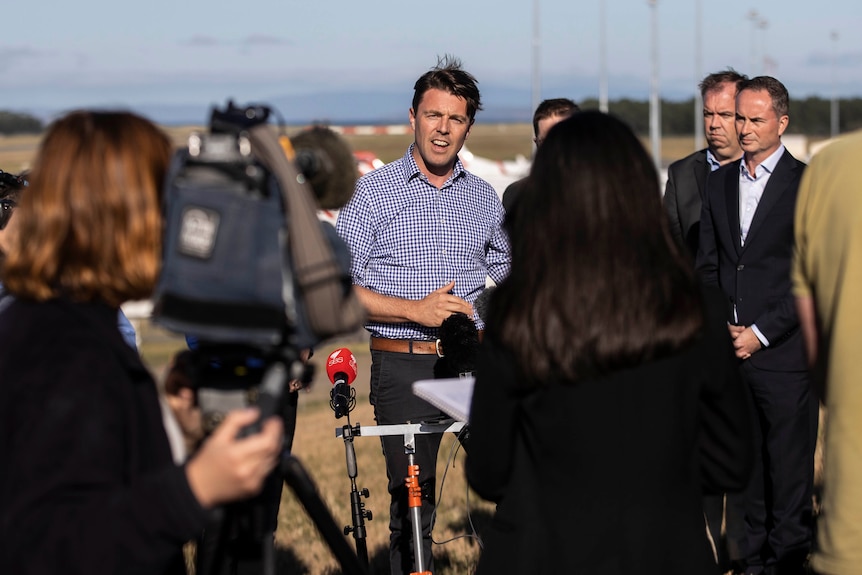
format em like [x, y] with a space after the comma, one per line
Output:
[87, 482]
[607, 398]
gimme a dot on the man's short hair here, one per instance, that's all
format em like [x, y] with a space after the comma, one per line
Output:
[716, 80]
[776, 90]
[448, 76]
[553, 107]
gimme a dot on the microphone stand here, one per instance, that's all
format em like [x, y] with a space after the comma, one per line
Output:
[357, 507]
[414, 495]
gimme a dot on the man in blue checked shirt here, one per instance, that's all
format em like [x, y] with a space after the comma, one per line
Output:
[424, 234]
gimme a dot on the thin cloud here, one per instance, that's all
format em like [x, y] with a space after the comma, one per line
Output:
[264, 40]
[200, 40]
[11, 56]
[842, 60]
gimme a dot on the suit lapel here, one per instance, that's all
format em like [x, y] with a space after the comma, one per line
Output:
[778, 183]
[731, 200]
[701, 171]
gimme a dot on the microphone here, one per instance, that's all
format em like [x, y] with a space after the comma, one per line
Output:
[459, 344]
[483, 302]
[341, 370]
[328, 163]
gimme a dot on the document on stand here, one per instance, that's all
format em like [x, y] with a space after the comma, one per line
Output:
[452, 396]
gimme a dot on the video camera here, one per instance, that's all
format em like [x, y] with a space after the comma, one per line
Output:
[252, 277]
[246, 261]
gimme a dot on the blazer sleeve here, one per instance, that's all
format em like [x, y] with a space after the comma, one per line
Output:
[493, 422]
[672, 208]
[706, 262]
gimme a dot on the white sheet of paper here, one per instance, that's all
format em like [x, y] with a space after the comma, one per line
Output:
[452, 396]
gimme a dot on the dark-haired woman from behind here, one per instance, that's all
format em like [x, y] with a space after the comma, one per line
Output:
[607, 397]
[87, 481]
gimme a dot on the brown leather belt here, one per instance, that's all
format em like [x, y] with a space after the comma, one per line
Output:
[414, 346]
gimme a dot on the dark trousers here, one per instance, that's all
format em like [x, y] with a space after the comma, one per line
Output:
[778, 506]
[392, 376]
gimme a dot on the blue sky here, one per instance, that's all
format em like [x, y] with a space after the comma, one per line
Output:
[58, 55]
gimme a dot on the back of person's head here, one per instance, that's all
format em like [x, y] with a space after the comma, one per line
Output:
[448, 76]
[551, 108]
[11, 187]
[776, 90]
[716, 80]
[89, 226]
[597, 283]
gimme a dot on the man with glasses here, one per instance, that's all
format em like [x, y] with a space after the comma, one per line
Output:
[546, 116]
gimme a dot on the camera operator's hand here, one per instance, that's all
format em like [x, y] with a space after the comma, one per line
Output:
[228, 467]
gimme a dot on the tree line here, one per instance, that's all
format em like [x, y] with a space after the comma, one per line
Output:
[809, 116]
[17, 123]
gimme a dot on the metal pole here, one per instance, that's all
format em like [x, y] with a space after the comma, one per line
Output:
[834, 127]
[603, 57]
[537, 75]
[654, 102]
[753, 16]
[698, 73]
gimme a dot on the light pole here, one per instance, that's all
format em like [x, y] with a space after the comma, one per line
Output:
[754, 17]
[833, 105]
[537, 74]
[603, 58]
[762, 25]
[698, 99]
[654, 102]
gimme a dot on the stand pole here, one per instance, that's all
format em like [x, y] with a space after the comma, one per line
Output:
[357, 506]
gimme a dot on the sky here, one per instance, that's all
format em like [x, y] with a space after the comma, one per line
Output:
[58, 55]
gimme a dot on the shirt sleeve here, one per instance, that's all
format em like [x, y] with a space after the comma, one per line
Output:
[355, 227]
[499, 258]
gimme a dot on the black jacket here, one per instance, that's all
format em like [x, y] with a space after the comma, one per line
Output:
[87, 483]
[756, 277]
[607, 475]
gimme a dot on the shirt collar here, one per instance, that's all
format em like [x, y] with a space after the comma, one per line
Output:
[714, 164]
[768, 164]
[411, 168]
[710, 159]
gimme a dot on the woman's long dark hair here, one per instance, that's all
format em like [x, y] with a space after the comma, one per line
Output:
[597, 282]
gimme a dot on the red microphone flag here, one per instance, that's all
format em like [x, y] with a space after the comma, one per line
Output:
[341, 361]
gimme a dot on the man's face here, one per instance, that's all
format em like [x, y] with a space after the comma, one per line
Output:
[441, 126]
[545, 125]
[757, 125]
[719, 112]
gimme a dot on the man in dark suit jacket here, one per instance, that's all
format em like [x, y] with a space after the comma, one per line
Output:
[548, 113]
[686, 178]
[746, 248]
[683, 198]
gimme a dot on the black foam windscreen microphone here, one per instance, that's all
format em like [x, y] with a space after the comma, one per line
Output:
[328, 164]
[459, 344]
[482, 303]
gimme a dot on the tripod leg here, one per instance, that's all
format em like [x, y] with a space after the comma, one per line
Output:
[302, 485]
